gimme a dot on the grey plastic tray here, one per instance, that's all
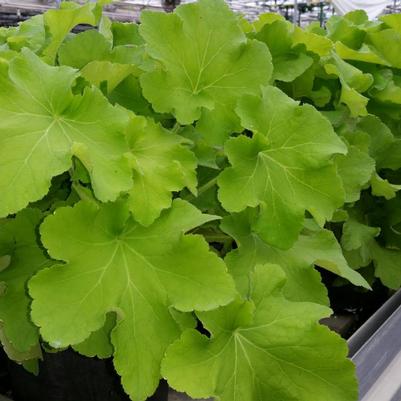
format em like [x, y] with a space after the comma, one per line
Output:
[376, 351]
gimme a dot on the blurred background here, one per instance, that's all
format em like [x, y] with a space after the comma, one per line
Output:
[300, 12]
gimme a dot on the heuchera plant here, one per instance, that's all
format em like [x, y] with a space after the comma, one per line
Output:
[192, 171]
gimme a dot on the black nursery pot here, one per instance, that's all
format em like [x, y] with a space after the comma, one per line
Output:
[68, 376]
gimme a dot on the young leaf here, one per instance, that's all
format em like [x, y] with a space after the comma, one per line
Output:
[285, 167]
[125, 34]
[366, 54]
[30, 33]
[162, 164]
[60, 22]
[359, 240]
[266, 349]
[382, 187]
[18, 241]
[383, 147]
[207, 63]
[42, 125]
[313, 42]
[99, 342]
[353, 83]
[83, 48]
[303, 281]
[355, 169]
[115, 264]
[387, 265]
[288, 63]
[98, 72]
[357, 235]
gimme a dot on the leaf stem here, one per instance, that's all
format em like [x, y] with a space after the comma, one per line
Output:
[84, 193]
[218, 237]
[201, 189]
[207, 186]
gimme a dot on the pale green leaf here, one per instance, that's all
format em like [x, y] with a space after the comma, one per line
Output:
[125, 34]
[353, 83]
[60, 22]
[357, 235]
[42, 125]
[312, 248]
[355, 169]
[381, 41]
[383, 147]
[365, 54]
[206, 64]
[97, 72]
[359, 240]
[115, 264]
[266, 349]
[387, 265]
[83, 48]
[162, 164]
[30, 33]
[288, 63]
[314, 43]
[382, 187]
[98, 344]
[18, 239]
[304, 282]
[285, 167]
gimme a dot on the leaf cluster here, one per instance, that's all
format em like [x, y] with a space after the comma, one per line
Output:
[192, 171]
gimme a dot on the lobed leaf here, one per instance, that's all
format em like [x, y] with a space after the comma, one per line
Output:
[115, 264]
[285, 168]
[266, 349]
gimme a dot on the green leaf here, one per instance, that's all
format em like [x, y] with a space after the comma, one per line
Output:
[390, 90]
[18, 241]
[344, 30]
[366, 54]
[115, 264]
[30, 33]
[21, 357]
[285, 168]
[83, 48]
[359, 240]
[304, 282]
[392, 21]
[206, 64]
[288, 63]
[381, 187]
[125, 34]
[314, 43]
[381, 40]
[266, 349]
[312, 248]
[357, 235]
[387, 265]
[98, 72]
[60, 22]
[42, 125]
[99, 342]
[129, 95]
[353, 83]
[162, 164]
[383, 147]
[355, 169]
[265, 19]
[323, 250]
